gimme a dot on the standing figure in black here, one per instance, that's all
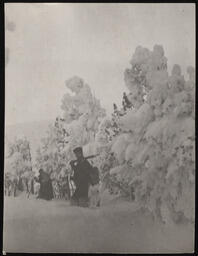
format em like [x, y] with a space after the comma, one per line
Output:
[81, 178]
[46, 189]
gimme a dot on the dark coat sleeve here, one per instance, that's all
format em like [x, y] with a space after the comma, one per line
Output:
[75, 176]
[88, 168]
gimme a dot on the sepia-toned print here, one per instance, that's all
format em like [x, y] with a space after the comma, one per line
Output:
[99, 128]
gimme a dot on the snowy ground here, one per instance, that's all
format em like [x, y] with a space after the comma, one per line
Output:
[32, 225]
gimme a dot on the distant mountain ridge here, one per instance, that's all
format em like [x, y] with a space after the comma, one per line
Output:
[33, 131]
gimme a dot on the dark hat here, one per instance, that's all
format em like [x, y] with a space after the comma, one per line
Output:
[78, 149]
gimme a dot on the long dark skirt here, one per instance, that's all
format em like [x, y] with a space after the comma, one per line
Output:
[80, 196]
[46, 190]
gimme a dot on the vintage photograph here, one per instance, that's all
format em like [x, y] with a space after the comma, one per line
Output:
[99, 128]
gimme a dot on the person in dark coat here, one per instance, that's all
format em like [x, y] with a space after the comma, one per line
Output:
[46, 189]
[81, 178]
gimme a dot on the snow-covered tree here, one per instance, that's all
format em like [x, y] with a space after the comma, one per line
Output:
[51, 155]
[82, 115]
[18, 158]
[155, 150]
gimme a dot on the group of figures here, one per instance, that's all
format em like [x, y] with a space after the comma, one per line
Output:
[82, 188]
[13, 185]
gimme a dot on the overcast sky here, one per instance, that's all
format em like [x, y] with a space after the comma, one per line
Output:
[52, 42]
